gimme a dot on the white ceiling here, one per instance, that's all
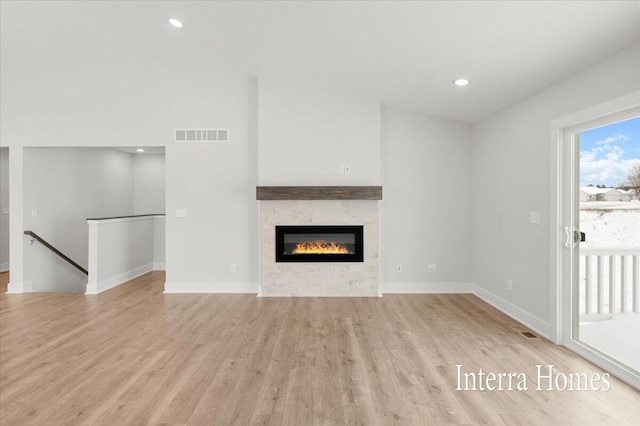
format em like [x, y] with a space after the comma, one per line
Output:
[404, 54]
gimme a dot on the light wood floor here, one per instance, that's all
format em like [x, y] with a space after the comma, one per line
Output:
[134, 355]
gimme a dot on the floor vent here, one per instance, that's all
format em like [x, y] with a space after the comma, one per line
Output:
[201, 135]
[528, 335]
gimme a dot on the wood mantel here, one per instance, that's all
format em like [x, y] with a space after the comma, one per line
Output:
[318, 193]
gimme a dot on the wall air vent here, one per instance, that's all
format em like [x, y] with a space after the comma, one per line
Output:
[201, 135]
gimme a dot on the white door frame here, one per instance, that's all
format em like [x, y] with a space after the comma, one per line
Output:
[563, 179]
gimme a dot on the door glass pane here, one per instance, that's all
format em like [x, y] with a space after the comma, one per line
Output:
[609, 259]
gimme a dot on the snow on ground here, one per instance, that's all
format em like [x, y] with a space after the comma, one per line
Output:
[610, 224]
[619, 338]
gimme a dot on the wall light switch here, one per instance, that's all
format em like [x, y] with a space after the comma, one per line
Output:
[347, 169]
[534, 217]
[432, 269]
[34, 212]
[181, 213]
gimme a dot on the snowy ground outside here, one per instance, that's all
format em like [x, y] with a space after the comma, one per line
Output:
[618, 337]
[609, 225]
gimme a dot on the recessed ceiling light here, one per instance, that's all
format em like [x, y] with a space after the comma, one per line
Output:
[140, 150]
[175, 23]
[461, 82]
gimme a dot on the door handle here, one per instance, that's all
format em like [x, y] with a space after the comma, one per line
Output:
[578, 237]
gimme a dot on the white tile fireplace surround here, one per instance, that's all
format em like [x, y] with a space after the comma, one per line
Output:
[322, 279]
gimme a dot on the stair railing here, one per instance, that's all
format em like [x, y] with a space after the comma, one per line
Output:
[55, 250]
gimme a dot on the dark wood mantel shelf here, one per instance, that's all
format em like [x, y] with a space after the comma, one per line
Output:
[319, 193]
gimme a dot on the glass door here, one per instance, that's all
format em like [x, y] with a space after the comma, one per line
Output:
[606, 241]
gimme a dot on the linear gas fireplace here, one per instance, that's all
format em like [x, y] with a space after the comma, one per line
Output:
[319, 243]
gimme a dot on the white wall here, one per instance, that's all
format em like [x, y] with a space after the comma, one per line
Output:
[4, 206]
[66, 186]
[511, 177]
[425, 216]
[215, 183]
[130, 104]
[148, 184]
[96, 106]
[159, 243]
[306, 133]
[139, 105]
[121, 249]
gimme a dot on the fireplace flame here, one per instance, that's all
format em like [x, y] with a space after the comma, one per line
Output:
[320, 247]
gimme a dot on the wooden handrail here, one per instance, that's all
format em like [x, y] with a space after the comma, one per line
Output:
[56, 251]
[126, 217]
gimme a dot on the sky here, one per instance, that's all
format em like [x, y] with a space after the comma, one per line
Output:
[608, 153]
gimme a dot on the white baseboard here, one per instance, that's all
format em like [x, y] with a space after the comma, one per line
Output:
[103, 285]
[425, 288]
[530, 321]
[17, 288]
[159, 266]
[210, 287]
[4, 267]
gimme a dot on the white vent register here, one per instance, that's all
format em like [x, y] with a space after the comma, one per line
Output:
[201, 135]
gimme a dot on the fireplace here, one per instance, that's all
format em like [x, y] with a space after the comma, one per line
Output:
[308, 210]
[319, 243]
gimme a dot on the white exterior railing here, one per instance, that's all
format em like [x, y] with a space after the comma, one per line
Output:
[609, 280]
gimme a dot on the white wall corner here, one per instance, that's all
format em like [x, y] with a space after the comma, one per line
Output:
[536, 324]
[18, 288]
[4, 267]
[159, 266]
[106, 284]
[426, 288]
[211, 287]
[92, 288]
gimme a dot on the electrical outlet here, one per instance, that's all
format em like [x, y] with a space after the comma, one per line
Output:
[181, 213]
[432, 269]
[347, 169]
[34, 212]
[509, 285]
[399, 268]
[340, 169]
[534, 217]
[232, 268]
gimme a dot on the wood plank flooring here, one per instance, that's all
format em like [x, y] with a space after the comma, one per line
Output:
[133, 355]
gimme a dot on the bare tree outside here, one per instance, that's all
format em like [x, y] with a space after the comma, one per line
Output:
[633, 180]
